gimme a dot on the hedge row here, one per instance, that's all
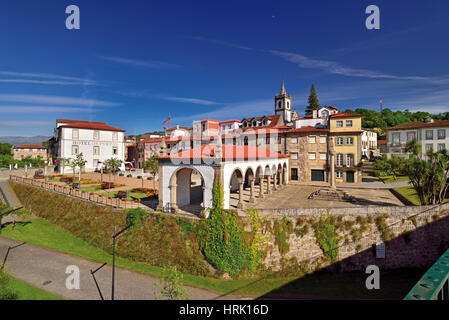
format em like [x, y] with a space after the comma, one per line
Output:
[159, 240]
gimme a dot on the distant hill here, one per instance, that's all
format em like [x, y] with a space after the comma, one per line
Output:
[17, 140]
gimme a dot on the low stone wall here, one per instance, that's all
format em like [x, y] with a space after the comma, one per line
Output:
[130, 182]
[420, 234]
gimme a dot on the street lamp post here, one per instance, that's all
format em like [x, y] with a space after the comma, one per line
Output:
[113, 256]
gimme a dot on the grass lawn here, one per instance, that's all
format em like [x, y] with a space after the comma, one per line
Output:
[28, 292]
[350, 285]
[410, 193]
[132, 194]
[390, 179]
[90, 188]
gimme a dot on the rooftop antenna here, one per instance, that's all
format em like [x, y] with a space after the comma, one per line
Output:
[381, 103]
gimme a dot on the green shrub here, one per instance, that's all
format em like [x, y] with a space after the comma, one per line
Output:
[135, 216]
[326, 236]
[282, 230]
[5, 291]
[385, 232]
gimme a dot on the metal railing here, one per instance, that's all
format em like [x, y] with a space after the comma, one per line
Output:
[434, 285]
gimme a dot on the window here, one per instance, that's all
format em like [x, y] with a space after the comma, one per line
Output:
[294, 156]
[322, 139]
[429, 147]
[396, 137]
[254, 123]
[203, 127]
[294, 140]
[339, 162]
[267, 140]
[441, 134]
[441, 146]
[339, 141]
[114, 136]
[96, 135]
[279, 139]
[429, 134]
[288, 105]
[411, 136]
[96, 150]
[115, 150]
[349, 123]
[339, 174]
[339, 124]
[323, 155]
[279, 105]
[75, 149]
[350, 141]
[312, 139]
[312, 156]
[349, 160]
[75, 134]
[324, 114]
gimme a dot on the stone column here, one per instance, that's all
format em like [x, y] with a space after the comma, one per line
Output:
[252, 199]
[332, 172]
[173, 205]
[261, 191]
[240, 204]
[269, 184]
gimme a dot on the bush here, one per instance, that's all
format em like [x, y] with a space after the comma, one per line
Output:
[5, 292]
[66, 179]
[327, 237]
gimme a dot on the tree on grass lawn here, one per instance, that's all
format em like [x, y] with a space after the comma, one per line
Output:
[171, 283]
[112, 165]
[389, 167]
[429, 177]
[152, 163]
[80, 163]
[6, 211]
[313, 101]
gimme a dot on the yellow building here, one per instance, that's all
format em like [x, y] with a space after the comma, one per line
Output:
[346, 131]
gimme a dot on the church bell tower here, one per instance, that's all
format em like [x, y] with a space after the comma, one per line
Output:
[283, 105]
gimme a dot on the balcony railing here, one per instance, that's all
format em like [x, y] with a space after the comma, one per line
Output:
[434, 284]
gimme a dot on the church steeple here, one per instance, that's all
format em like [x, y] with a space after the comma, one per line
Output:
[282, 105]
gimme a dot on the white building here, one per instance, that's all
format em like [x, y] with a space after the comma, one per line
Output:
[369, 142]
[318, 119]
[432, 135]
[97, 142]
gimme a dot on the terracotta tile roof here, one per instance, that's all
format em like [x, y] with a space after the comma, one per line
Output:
[76, 121]
[230, 152]
[274, 120]
[30, 146]
[91, 125]
[417, 125]
[174, 128]
[344, 115]
[228, 121]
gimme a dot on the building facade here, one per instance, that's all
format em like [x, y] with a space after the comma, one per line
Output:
[97, 142]
[29, 150]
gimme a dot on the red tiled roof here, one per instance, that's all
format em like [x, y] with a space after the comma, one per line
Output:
[30, 146]
[230, 152]
[232, 120]
[174, 128]
[91, 125]
[274, 120]
[416, 125]
[344, 115]
[76, 121]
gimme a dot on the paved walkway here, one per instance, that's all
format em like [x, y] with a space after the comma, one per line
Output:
[7, 195]
[45, 269]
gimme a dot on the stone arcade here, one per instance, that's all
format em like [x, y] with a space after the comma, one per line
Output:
[239, 167]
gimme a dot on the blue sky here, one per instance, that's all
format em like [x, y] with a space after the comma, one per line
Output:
[132, 62]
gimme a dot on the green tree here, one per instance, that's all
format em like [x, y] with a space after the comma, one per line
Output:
[79, 162]
[413, 147]
[112, 165]
[313, 101]
[153, 164]
[5, 149]
[171, 283]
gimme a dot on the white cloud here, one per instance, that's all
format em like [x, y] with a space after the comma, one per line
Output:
[42, 109]
[139, 63]
[49, 78]
[189, 100]
[58, 100]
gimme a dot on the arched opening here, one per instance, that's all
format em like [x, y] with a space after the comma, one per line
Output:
[236, 189]
[187, 190]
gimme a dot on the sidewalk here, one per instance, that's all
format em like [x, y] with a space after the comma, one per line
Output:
[45, 269]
